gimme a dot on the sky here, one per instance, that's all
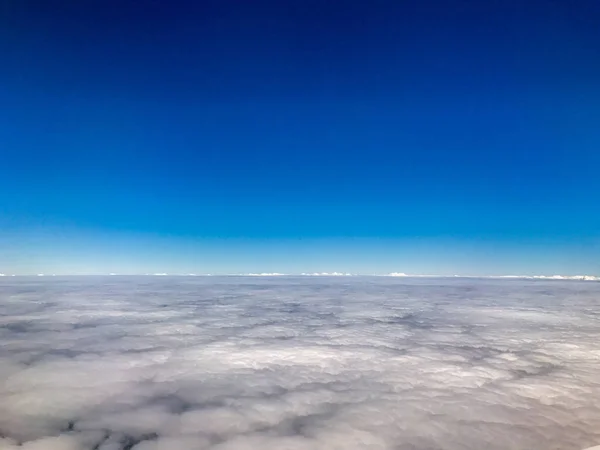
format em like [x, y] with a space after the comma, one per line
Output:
[448, 137]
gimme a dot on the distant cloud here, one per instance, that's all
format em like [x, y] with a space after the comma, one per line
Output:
[327, 274]
[524, 277]
[225, 363]
[266, 274]
[550, 277]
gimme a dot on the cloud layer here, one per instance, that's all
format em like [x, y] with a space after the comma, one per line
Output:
[117, 363]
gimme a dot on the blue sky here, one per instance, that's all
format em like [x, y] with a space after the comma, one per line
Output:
[434, 136]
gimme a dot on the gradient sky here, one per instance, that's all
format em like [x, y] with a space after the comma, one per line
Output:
[428, 136]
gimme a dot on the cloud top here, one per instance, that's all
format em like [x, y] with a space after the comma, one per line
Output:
[225, 363]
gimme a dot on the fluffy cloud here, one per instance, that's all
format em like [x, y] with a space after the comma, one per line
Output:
[146, 363]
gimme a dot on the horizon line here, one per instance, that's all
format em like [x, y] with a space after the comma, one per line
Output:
[314, 274]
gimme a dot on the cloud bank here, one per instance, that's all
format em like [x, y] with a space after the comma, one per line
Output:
[172, 363]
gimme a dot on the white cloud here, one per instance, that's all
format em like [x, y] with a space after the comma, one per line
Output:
[288, 363]
[524, 277]
[327, 274]
[264, 274]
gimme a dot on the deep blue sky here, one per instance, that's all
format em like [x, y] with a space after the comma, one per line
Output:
[454, 136]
